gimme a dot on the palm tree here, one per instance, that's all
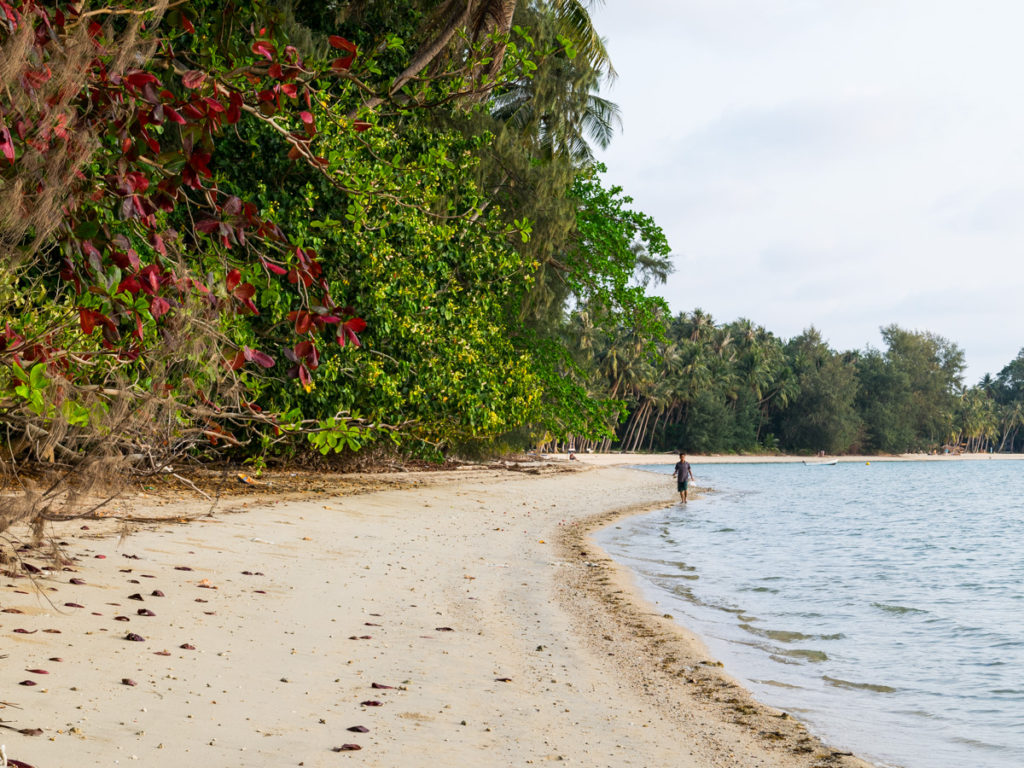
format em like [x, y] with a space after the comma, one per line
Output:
[556, 107]
[452, 25]
[1012, 419]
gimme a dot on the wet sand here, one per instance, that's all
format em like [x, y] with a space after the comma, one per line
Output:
[456, 618]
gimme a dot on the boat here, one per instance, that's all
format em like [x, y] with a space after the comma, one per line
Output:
[826, 463]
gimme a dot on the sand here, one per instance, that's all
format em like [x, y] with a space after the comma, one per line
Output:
[455, 618]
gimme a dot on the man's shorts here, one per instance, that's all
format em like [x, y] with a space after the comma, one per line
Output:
[682, 485]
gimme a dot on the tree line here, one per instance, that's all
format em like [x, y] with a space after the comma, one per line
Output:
[736, 387]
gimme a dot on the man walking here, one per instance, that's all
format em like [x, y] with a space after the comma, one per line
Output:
[683, 475]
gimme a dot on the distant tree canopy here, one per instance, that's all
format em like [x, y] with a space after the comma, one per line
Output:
[736, 387]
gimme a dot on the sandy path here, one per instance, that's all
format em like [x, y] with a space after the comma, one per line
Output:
[509, 640]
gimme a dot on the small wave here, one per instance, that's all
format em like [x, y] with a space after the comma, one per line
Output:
[897, 609]
[778, 635]
[804, 654]
[769, 590]
[726, 530]
[778, 684]
[837, 683]
[979, 744]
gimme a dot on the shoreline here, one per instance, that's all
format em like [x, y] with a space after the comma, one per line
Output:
[624, 459]
[677, 673]
[505, 635]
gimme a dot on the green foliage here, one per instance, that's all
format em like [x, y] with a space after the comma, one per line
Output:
[823, 414]
[337, 436]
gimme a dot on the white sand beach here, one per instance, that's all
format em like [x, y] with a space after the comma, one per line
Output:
[454, 618]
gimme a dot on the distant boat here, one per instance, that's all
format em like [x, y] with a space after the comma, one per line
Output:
[826, 463]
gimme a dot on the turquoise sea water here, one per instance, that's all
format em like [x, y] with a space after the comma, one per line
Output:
[883, 604]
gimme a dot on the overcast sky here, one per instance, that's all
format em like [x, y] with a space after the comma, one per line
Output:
[845, 164]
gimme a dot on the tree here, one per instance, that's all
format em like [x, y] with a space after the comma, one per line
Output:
[908, 395]
[822, 415]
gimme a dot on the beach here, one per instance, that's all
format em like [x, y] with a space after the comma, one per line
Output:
[458, 617]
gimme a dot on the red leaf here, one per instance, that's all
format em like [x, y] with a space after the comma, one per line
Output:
[187, 25]
[136, 181]
[356, 325]
[150, 278]
[35, 79]
[129, 285]
[128, 260]
[277, 270]
[265, 49]
[159, 307]
[234, 109]
[233, 206]
[244, 292]
[345, 62]
[306, 117]
[349, 329]
[262, 359]
[193, 78]
[87, 319]
[238, 361]
[198, 161]
[302, 323]
[290, 89]
[6, 144]
[174, 115]
[360, 125]
[139, 79]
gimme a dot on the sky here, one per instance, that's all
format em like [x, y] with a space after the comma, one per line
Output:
[846, 164]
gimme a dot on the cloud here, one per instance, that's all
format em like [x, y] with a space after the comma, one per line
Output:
[984, 211]
[845, 164]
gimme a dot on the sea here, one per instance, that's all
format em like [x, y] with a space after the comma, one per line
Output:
[882, 603]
